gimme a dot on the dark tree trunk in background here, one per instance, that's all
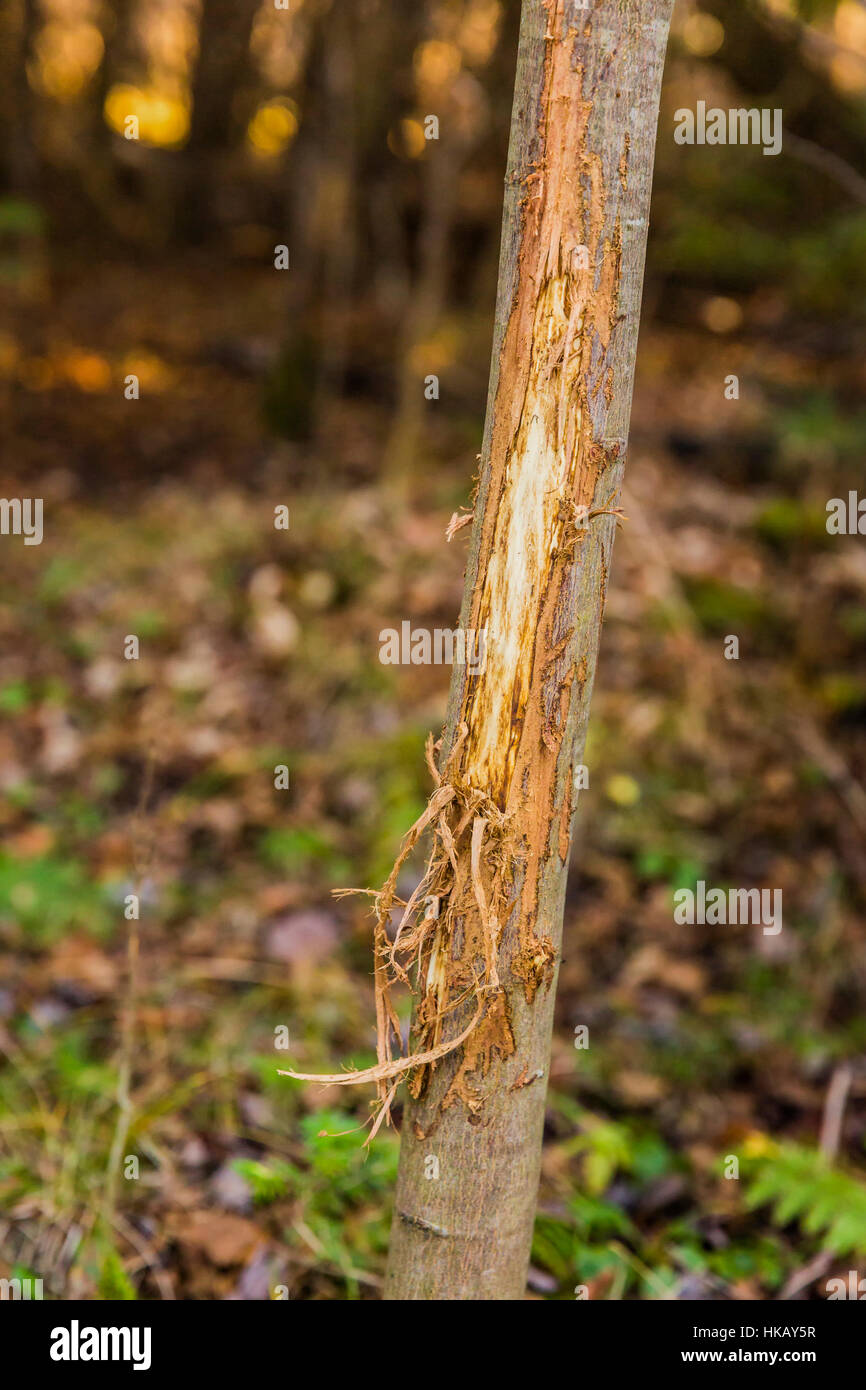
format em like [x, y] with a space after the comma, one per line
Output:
[345, 216]
[19, 26]
[338, 184]
[426, 299]
[220, 100]
[117, 55]
[571, 271]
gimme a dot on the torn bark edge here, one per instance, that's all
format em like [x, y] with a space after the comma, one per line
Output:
[468, 872]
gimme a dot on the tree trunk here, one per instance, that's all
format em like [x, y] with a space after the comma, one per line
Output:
[571, 271]
[424, 307]
[221, 92]
[222, 70]
[441, 169]
[119, 43]
[19, 28]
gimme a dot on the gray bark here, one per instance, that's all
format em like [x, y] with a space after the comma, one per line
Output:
[579, 176]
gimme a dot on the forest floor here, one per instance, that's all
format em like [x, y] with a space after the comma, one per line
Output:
[259, 647]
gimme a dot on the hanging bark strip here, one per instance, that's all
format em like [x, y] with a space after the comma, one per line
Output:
[571, 271]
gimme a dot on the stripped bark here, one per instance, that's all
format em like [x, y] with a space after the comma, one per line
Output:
[571, 271]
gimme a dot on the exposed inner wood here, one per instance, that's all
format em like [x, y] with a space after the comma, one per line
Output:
[576, 207]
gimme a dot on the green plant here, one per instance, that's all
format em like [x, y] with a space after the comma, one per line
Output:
[268, 1183]
[48, 896]
[114, 1283]
[800, 1185]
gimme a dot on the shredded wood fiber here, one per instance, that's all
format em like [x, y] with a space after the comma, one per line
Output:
[459, 903]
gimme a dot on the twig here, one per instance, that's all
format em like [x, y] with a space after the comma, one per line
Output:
[803, 1278]
[127, 1044]
[834, 1111]
[148, 1255]
[833, 165]
[832, 764]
